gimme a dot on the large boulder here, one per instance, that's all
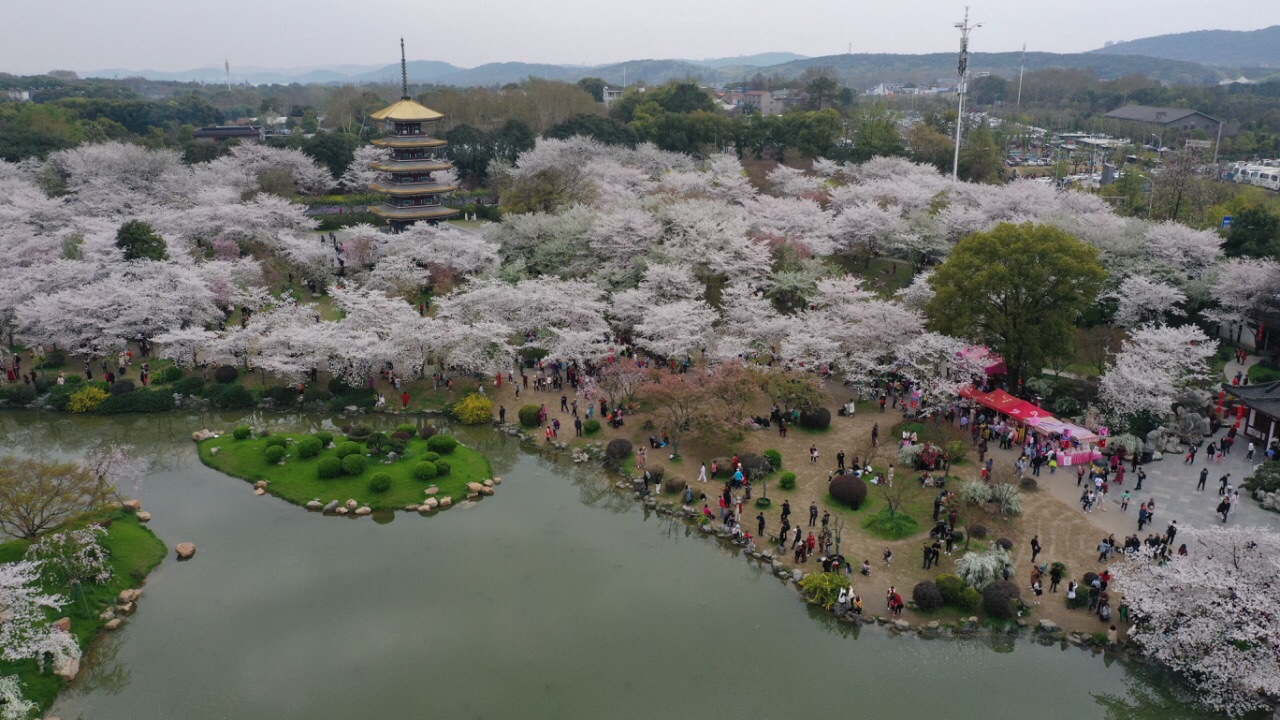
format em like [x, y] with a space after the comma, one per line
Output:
[67, 668]
[128, 596]
[132, 505]
[63, 624]
[144, 516]
[185, 550]
[365, 510]
[331, 507]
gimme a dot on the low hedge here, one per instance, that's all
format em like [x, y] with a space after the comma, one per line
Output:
[138, 401]
[443, 444]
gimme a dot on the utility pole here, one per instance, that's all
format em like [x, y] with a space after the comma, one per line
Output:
[963, 67]
[1022, 69]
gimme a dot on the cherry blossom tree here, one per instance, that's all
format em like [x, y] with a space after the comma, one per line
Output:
[1244, 288]
[1141, 300]
[13, 705]
[1210, 615]
[936, 367]
[1152, 366]
[359, 175]
[676, 329]
[25, 630]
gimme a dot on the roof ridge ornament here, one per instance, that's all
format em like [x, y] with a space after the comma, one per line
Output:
[404, 74]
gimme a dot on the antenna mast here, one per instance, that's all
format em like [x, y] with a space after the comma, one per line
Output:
[404, 74]
[226, 65]
[1021, 71]
[963, 67]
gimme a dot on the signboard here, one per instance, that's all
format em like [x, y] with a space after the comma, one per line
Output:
[1226, 222]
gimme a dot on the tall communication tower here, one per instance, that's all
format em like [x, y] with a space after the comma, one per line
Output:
[963, 67]
[1022, 70]
[226, 66]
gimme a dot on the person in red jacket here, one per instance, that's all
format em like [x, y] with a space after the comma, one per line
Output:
[404, 401]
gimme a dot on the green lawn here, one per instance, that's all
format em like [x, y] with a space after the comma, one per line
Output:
[134, 552]
[1260, 373]
[298, 482]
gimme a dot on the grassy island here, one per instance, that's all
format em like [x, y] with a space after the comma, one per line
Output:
[133, 551]
[383, 471]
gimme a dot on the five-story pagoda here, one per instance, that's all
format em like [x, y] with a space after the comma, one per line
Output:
[412, 193]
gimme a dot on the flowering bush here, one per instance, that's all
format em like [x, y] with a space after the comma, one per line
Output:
[72, 556]
[86, 399]
[981, 569]
[474, 409]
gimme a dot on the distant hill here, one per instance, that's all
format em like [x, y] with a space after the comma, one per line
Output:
[861, 70]
[867, 69]
[1229, 48]
[757, 60]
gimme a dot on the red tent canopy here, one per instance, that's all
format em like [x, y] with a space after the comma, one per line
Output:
[1003, 402]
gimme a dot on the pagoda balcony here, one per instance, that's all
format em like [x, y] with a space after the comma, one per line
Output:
[412, 213]
[410, 189]
[408, 141]
[411, 166]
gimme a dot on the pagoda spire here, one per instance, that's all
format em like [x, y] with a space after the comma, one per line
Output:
[404, 74]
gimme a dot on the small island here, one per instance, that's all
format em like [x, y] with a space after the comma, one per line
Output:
[407, 468]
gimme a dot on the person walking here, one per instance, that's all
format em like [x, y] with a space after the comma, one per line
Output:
[813, 514]
[1222, 484]
[1224, 508]
[1204, 475]
[875, 435]
[1171, 533]
[1035, 548]
[760, 525]
[1124, 501]
[702, 477]
[928, 556]
[813, 453]
[577, 426]
[404, 400]
[1248, 455]
[786, 510]
[1055, 577]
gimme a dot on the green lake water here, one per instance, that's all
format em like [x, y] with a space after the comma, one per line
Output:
[556, 598]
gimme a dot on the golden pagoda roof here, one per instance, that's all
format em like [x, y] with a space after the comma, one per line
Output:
[421, 212]
[408, 141]
[406, 110]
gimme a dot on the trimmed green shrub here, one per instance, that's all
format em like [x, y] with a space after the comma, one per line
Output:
[138, 401]
[74, 379]
[443, 444]
[927, 596]
[309, 447]
[426, 431]
[950, 586]
[353, 464]
[763, 502]
[969, 599]
[226, 374]
[529, 415]
[787, 481]
[431, 456]
[328, 467]
[173, 373]
[360, 433]
[774, 457]
[379, 482]
[998, 597]
[122, 387]
[616, 453]
[274, 453]
[242, 432]
[190, 385]
[425, 470]
[231, 397]
[407, 428]
[280, 394]
[819, 419]
[276, 440]
[978, 532]
[347, 448]
[591, 427]
[316, 395]
[442, 466]
[325, 437]
[848, 490]
[377, 442]
[397, 445]
[399, 435]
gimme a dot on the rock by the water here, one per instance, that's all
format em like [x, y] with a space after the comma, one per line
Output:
[126, 608]
[134, 505]
[901, 625]
[351, 504]
[128, 596]
[1048, 626]
[432, 490]
[314, 505]
[67, 668]
[497, 480]
[797, 575]
[259, 491]
[112, 624]
[63, 624]
[185, 550]
[332, 506]
[446, 501]
[144, 516]
[431, 503]
[261, 484]
[202, 435]
[365, 510]
[412, 508]
[341, 511]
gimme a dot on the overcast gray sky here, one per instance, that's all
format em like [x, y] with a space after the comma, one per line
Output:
[42, 35]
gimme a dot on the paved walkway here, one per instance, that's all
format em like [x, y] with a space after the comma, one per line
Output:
[1171, 483]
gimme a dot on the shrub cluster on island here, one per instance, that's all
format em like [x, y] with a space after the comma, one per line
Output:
[378, 470]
